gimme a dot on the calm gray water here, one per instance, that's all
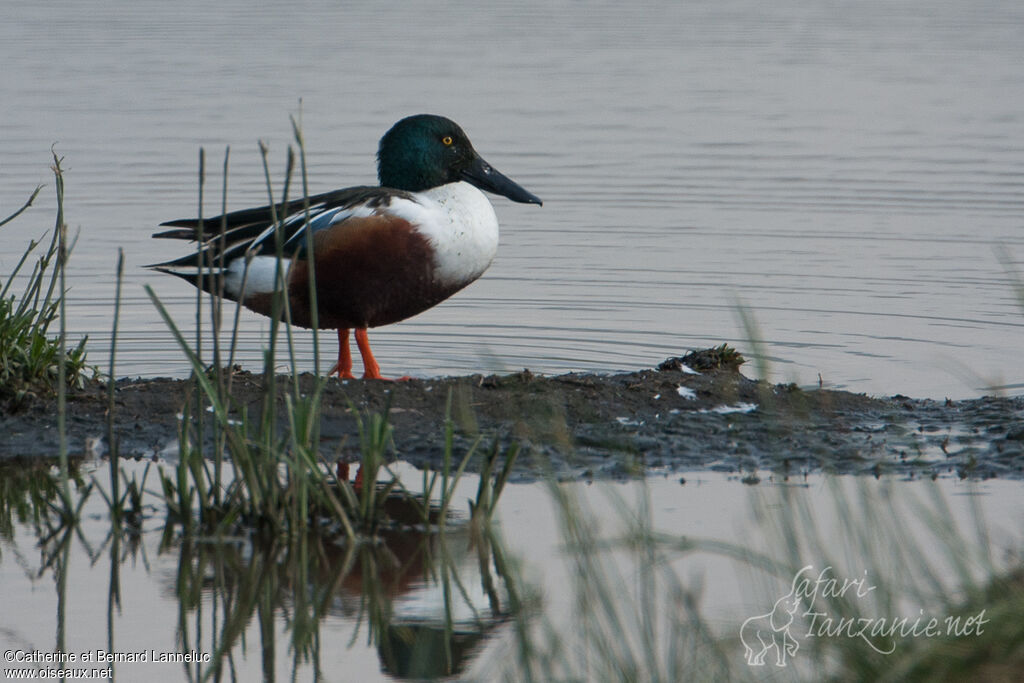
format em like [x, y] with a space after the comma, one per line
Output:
[847, 171]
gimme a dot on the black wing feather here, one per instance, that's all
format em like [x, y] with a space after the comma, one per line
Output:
[232, 234]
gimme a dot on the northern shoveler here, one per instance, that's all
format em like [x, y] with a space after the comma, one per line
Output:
[381, 254]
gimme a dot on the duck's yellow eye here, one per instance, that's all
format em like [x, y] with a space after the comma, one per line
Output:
[447, 140]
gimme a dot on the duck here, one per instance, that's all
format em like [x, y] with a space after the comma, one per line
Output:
[380, 254]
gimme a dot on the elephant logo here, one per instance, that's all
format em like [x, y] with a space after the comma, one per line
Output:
[765, 632]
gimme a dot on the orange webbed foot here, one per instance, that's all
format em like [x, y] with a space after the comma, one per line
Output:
[370, 366]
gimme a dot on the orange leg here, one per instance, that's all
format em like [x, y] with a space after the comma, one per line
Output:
[344, 365]
[370, 368]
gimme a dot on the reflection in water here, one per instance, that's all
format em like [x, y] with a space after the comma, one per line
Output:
[659, 585]
[224, 586]
[287, 588]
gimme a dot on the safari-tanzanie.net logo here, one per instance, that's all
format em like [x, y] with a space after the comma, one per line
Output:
[777, 635]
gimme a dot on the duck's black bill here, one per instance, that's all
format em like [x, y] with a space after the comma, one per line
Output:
[481, 174]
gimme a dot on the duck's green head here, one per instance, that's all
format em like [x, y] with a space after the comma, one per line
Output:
[425, 151]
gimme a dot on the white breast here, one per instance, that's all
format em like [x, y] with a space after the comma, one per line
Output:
[460, 224]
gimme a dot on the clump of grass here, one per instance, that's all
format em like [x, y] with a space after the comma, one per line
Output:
[491, 483]
[30, 357]
[258, 479]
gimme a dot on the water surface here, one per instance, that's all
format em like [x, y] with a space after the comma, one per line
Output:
[846, 171]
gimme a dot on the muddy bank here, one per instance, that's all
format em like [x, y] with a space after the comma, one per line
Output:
[688, 414]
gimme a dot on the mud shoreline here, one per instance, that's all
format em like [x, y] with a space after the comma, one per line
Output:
[693, 413]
